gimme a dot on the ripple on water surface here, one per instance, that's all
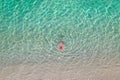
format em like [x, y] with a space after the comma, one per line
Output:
[30, 31]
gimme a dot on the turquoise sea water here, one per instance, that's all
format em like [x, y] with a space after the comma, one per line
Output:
[30, 31]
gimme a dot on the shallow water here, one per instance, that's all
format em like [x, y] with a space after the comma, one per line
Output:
[30, 31]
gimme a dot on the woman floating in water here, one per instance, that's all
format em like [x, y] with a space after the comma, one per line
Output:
[60, 46]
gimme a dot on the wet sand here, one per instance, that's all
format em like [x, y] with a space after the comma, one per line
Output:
[59, 71]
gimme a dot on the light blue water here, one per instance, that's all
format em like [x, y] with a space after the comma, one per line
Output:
[30, 31]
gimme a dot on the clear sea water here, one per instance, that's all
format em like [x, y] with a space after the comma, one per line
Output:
[30, 31]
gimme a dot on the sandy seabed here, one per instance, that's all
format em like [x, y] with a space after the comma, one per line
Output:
[59, 72]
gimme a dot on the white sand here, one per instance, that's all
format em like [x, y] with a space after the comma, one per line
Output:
[59, 72]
